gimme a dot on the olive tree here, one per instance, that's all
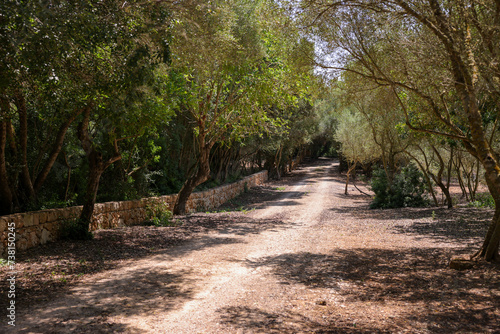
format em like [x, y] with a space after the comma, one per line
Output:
[357, 144]
[232, 70]
[441, 54]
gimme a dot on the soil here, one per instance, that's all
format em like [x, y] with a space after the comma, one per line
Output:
[294, 256]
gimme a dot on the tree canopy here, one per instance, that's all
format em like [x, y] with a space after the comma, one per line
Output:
[439, 58]
[120, 100]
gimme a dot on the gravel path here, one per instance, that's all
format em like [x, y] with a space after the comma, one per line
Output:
[310, 261]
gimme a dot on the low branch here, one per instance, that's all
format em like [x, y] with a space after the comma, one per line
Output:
[355, 186]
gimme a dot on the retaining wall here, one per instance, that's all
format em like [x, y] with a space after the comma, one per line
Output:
[39, 227]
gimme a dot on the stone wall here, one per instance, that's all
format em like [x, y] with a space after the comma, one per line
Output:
[39, 227]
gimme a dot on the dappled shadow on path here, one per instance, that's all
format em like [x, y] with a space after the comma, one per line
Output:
[414, 276]
[257, 320]
[98, 307]
[464, 225]
[52, 269]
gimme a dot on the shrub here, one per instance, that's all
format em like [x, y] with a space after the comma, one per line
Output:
[158, 214]
[483, 201]
[406, 190]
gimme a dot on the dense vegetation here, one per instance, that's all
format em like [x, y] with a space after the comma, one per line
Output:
[119, 100]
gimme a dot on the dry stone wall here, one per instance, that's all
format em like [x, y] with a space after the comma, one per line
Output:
[40, 227]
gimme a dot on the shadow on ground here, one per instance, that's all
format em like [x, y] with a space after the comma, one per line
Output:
[93, 309]
[256, 320]
[463, 225]
[51, 269]
[450, 301]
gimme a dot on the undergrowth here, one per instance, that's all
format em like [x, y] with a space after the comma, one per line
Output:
[406, 190]
[483, 200]
[158, 214]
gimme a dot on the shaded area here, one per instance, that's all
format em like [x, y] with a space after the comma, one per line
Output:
[463, 225]
[260, 321]
[94, 308]
[53, 268]
[456, 225]
[444, 300]
[263, 197]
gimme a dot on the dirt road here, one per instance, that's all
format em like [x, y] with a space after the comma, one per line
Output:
[311, 261]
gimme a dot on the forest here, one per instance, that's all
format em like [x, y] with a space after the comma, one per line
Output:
[117, 100]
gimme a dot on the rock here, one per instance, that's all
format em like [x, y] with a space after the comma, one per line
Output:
[42, 217]
[22, 244]
[3, 224]
[460, 263]
[28, 219]
[45, 236]
[33, 240]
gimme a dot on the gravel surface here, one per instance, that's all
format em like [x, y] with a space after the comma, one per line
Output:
[294, 256]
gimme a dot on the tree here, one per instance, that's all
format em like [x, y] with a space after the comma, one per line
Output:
[124, 78]
[356, 146]
[436, 164]
[231, 70]
[97, 64]
[395, 43]
[33, 94]
[381, 111]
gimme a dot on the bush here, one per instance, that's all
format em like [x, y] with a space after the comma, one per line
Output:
[159, 214]
[406, 190]
[483, 201]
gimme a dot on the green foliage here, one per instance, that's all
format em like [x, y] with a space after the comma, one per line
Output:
[483, 200]
[159, 214]
[175, 140]
[55, 203]
[355, 135]
[152, 82]
[74, 229]
[214, 182]
[407, 189]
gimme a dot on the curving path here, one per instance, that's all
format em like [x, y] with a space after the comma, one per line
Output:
[280, 268]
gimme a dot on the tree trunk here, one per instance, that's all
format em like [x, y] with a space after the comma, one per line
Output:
[473, 181]
[489, 249]
[458, 170]
[277, 162]
[68, 178]
[96, 168]
[200, 175]
[446, 192]
[482, 150]
[5, 192]
[27, 192]
[56, 149]
[445, 188]
[349, 170]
